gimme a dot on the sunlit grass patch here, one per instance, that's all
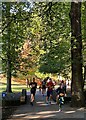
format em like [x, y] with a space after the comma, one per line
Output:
[15, 88]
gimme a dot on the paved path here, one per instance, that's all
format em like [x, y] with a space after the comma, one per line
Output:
[41, 111]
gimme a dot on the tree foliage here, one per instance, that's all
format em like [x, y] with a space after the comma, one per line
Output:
[55, 34]
[18, 23]
[14, 26]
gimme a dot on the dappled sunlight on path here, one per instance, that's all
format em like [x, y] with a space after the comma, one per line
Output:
[40, 110]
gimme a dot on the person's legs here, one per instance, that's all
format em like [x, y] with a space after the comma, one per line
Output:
[43, 91]
[57, 99]
[48, 96]
[60, 103]
[32, 99]
[32, 96]
[40, 89]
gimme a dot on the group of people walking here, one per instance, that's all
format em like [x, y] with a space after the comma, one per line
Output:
[48, 86]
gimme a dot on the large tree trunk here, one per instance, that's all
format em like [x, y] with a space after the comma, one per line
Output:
[76, 55]
[8, 49]
[84, 59]
[85, 73]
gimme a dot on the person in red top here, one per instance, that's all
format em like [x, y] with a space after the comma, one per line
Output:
[50, 86]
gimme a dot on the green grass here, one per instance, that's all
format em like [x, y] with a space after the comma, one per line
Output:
[19, 88]
[15, 88]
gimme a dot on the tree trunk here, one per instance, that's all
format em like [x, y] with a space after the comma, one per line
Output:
[84, 73]
[8, 49]
[76, 56]
[84, 41]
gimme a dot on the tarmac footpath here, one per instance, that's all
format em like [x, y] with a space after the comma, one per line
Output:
[41, 111]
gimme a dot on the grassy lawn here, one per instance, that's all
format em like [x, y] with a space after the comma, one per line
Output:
[16, 87]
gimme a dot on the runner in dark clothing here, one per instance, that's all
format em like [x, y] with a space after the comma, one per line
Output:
[60, 96]
[33, 86]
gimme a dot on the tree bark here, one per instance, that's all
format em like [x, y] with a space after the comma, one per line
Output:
[76, 56]
[84, 41]
[84, 73]
[8, 50]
